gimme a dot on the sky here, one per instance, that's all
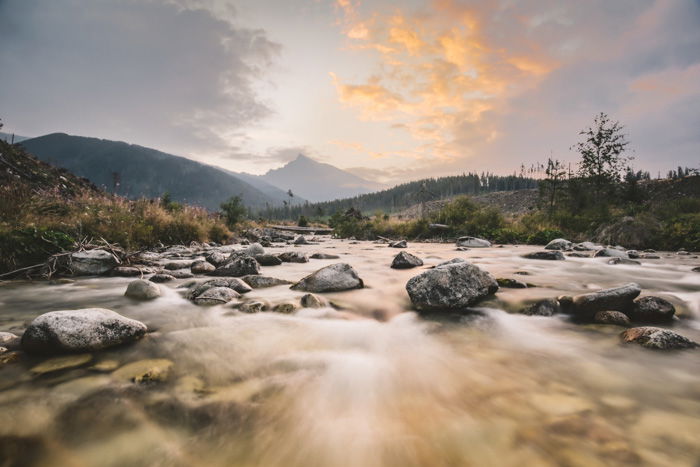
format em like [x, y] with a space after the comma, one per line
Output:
[389, 90]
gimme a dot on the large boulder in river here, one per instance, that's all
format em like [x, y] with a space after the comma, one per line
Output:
[83, 330]
[615, 299]
[240, 266]
[657, 338]
[473, 242]
[92, 262]
[552, 255]
[454, 286]
[651, 310]
[333, 278]
[406, 260]
[142, 290]
[558, 244]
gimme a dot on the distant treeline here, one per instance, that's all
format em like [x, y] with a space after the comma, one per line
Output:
[406, 195]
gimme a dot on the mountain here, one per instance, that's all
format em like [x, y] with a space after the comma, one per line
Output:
[136, 171]
[316, 181]
[8, 137]
[270, 190]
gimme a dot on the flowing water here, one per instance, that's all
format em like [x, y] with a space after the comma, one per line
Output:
[367, 383]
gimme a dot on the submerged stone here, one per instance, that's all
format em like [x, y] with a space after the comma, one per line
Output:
[61, 363]
[144, 371]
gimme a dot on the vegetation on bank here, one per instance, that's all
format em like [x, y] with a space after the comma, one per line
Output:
[44, 210]
[604, 200]
[406, 195]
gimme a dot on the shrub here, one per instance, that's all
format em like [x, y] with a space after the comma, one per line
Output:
[542, 237]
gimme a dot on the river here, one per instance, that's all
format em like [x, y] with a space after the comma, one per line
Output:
[368, 383]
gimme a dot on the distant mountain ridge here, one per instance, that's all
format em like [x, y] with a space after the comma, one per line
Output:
[136, 171]
[317, 181]
[10, 137]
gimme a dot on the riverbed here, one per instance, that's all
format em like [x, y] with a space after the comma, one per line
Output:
[366, 382]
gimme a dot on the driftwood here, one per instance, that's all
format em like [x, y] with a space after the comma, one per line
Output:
[293, 228]
[61, 262]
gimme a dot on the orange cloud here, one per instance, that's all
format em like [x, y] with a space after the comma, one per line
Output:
[439, 74]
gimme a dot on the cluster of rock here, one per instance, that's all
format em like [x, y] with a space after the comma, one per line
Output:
[555, 249]
[620, 306]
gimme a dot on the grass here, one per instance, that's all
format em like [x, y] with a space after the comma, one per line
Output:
[36, 224]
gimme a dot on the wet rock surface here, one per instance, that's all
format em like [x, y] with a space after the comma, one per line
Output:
[614, 299]
[240, 266]
[551, 255]
[259, 282]
[334, 278]
[405, 260]
[657, 339]
[142, 290]
[92, 262]
[455, 286]
[87, 329]
[651, 310]
[611, 317]
[558, 244]
[473, 242]
[545, 307]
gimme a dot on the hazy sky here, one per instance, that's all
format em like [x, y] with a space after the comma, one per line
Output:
[393, 90]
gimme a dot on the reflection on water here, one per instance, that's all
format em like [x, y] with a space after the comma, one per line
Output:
[368, 385]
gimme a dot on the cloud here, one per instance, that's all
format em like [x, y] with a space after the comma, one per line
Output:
[168, 73]
[489, 85]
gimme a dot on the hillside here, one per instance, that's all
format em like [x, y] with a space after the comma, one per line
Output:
[316, 181]
[400, 197]
[136, 171]
[23, 173]
[510, 203]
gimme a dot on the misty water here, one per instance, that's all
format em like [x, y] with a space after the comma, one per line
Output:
[368, 382]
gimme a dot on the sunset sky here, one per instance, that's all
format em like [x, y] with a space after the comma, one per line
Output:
[389, 90]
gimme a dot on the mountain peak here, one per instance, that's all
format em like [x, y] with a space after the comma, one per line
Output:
[303, 158]
[318, 181]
